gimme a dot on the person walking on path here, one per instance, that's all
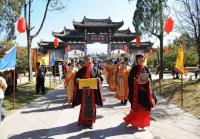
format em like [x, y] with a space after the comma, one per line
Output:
[69, 81]
[88, 98]
[3, 86]
[122, 89]
[40, 77]
[140, 95]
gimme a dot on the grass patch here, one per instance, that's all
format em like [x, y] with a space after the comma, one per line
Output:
[171, 91]
[25, 94]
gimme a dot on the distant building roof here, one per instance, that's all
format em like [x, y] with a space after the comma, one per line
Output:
[143, 45]
[97, 25]
[89, 31]
[70, 35]
[123, 35]
[62, 45]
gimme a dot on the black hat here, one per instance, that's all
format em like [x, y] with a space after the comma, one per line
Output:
[86, 57]
[139, 56]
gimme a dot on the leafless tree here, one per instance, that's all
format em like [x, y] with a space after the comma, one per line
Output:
[51, 5]
[188, 15]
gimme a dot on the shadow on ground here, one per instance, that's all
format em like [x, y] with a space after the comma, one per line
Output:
[121, 129]
[49, 109]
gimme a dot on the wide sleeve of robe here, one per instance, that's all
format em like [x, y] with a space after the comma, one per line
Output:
[131, 79]
[77, 92]
[96, 73]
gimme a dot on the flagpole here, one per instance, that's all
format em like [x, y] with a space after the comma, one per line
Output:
[50, 68]
[181, 89]
[160, 86]
[159, 73]
[14, 91]
[54, 73]
[50, 76]
[180, 67]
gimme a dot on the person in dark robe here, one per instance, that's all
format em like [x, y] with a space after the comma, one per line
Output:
[87, 98]
[40, 78]
[141, 95]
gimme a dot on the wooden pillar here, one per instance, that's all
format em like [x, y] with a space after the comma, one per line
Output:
[109, 49]
[110, 35]
[85, 49]
[85, 38]
[85, 35]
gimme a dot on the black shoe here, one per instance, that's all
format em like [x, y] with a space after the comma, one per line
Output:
[90, 126]
[125, 102]
[2, 117]
[122, 102]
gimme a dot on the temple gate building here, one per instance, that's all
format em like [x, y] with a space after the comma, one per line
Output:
[89, 31]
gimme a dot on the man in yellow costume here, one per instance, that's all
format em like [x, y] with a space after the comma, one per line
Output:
[122, 89]
[69, 81]
[106, 71]
[113, 71]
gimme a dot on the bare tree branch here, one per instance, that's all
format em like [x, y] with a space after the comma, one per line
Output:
[42, 23]
[55, 9]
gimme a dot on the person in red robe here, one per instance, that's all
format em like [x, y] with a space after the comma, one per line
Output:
[140, 95]
[87, 98]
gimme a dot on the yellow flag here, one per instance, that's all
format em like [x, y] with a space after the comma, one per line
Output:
[180, 61]
[145, 59]
[34, 58]
[44, 60]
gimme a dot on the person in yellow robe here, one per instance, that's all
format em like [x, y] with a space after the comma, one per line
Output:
[122, 89]
[69, 81]
[109, 71]
[106, 71]
[113, 70]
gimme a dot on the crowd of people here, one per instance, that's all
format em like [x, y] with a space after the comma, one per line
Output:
[127, 82]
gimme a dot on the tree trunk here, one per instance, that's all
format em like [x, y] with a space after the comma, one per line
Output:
[198, 51]
[161, 39]
[30, 76]
[161, 56]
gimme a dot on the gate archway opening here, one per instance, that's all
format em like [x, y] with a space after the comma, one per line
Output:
[97, 48]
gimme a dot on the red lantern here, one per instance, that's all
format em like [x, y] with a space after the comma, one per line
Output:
[75, 52]
[125, 48]
[21, 25]
[56, 42]
[118, 51]
[169, 24]
[67, 49]
[138, 42]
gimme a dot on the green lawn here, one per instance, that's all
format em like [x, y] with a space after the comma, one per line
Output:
[25, 94]
[171, 91]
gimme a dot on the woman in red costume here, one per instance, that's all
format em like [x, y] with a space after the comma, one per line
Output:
[140, 95]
